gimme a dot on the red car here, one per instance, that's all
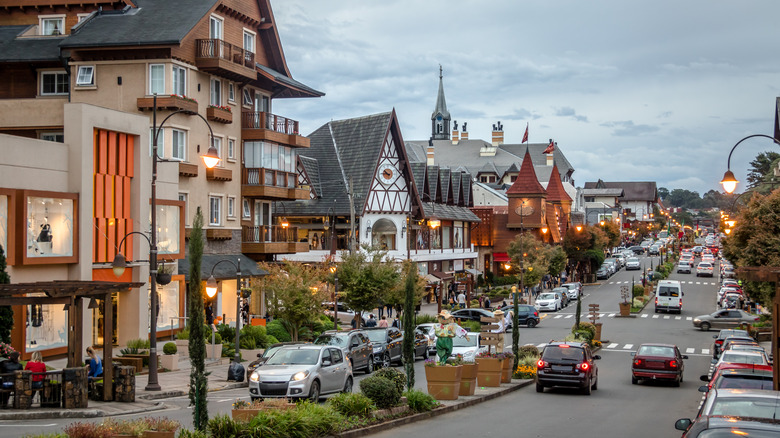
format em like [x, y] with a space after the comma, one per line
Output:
[657, 362]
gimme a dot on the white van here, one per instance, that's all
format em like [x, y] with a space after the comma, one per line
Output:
[668, 296]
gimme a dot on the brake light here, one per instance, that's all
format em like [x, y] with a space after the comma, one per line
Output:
[639, 362]
[656, 300]
[536, 313]
[755, 319]
[541, 364]
[563, 346]
[584, 366]
[718, 341]
[672, 363]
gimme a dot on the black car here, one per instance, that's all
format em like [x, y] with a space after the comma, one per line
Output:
[387, 344]
[602, 273]
[568, 364]
[355, 345]
[717, 346]
[262, 357]
[526, 315]
[639, 250]
[472, 314]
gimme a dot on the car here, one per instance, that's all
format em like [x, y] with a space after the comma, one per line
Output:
[472, 314]
[704, 269]
[731, 340]
[268, 352]
[725, 318]
[730, 406]
[387, 344]
[748, 346]
[616, 263]
[746, 358]
[620, 258]
[346, 315]
[633, 264]
[722, 426]
[354, 344]
[549, 301]
[668, 296]
[730, 300]
[654, 250]
[569, 364]
[302, 371]
[743, 378]
[575, 289]
[684, 267]
[657, 362]
[564, 292]
[467, 349]
[602, 273]
[727, 290]
[722, 335]
[428, 330]
[697, 250]
[527, 315]
[728, 273]
[638, 250]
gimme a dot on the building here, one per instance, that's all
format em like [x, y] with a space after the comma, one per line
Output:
[206, 72]
[636, 203]
[602, 204]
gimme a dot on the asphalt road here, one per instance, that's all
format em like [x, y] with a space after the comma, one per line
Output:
[616, 409]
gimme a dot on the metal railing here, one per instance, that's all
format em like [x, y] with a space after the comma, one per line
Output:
[268, 234]
[47, 388]
[216, 48]
[253, 176]
[263, 120]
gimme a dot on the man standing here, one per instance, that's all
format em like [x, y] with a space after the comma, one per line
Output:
[371, 321]
[462, 300]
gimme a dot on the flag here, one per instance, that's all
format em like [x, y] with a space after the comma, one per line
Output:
[550, 148]
[525, 136]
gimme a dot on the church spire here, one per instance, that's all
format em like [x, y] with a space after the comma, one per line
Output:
[440, 120]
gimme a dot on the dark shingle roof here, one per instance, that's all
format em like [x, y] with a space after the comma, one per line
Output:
[311, 166]
[290, 82]
[27, 49]
[632, 190]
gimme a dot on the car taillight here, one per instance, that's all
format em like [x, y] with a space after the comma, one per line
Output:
[673, 364]
[584, 366]
[656, 301]
[541, 364]
[639, 362]
[755, 319]
[718, 341]
[536, 313]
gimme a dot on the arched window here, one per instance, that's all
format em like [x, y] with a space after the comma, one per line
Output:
[383, 234]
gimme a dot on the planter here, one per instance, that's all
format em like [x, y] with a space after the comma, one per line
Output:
[163, 278]
[625, 309]
[219, 115]
[489, 371]
[250, 355]
[598, 331]
[244, 414]
[157, 434]
[506, 370]
[213, 351]
[170, 361]
[183, 347]
[468, 379]
[443, 381]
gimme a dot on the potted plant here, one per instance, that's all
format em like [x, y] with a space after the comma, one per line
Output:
[160, 427]
[164, 273]
[170, 360]
[125, 428]
[468, 377]
[625, 305]
[246, 411]
[506, 368]
[183, 341]
[489, 369]
[443, 380]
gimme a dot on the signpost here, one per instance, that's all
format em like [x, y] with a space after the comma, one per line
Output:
[487, 337]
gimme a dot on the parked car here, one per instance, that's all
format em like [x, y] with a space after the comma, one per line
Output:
[654, 250]
[733, 406]
[602, 273]
[616, 265]
[721, 426]
[657, 362]
[549, 301]
[472, 314]
[262, 357]
[730, 300]
[354, 344]
[387, 343]
[527, 315]
[302, 371]
[743, 378]
[684, 267]
[717, 346]
[747, 346]
[427, 329]
[467, 348]
[704, 269]
[575, 289]
[633, 264]
[726, 318]
[564, 291]
[747, 358]
[620, 258]
[567, 364]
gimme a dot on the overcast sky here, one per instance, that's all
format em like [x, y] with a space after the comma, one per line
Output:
[631, 90]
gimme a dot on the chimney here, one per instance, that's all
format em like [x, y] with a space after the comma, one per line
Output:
[465, 134]
[455, 132]
[498, 134]
[549, 160]
[429, 153]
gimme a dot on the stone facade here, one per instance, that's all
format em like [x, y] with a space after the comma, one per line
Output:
[75, 393]
[124, 384]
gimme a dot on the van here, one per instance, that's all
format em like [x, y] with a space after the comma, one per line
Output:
[668, 296]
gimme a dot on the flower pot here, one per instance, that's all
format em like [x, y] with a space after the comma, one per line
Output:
[443, 381]
[625, 309]
[489, 371]
[244, 414]
[157, 434]
[183, 347]
[468, 379]
[506, 370]
[597, 337]
[213, 351]
[163, 278]
[170, 361]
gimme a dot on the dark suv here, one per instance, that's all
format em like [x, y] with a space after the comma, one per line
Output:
[355, 345]
[527, 315]
[567, 364]
[387, 344]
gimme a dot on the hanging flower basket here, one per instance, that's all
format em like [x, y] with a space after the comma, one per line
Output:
[443, 381]
[163, 278]
[468, 379]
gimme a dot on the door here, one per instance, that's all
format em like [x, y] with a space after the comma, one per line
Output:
[722, 320]
[340, 367]
[327, 371]
[263, 221]
[357, 352]
[396, 343]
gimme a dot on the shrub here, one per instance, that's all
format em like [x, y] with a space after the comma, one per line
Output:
[276, 329]
[426, 319]
[638, 291]
[184, 334]
[140, 344]
[217, 338]
[255, 332]
[87, 430]
[321, 324]
[524, 371]
[585, 326]
[306, 420]
[352, 404]
[161, 424]
[472, 326]
[170, 348]
[248, 342]
[419, 401]
[527, 351]
[186, 433]
[383, 392]
[271, 340]
[222, 426]
[394, 376]
[226, 331]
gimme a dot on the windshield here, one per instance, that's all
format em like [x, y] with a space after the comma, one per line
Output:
[745, 382]
[427, 329]
[735, 357]
[547, 296]
[294, 356]
[554, 352]
[633, 260]
[656, 350]
[377, 335]
[462, 342]
[334, 339]
[668, 291]
[746, 407]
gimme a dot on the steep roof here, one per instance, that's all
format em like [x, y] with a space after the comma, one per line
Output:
[632, 190]
[555, 190]
[526, 182]
[441, 102]
[15, 48]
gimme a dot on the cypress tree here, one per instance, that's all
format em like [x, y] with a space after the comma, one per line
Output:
[197, 345]
[6, 312]
[408, 323]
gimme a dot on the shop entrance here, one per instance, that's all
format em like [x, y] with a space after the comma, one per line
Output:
[98, 319]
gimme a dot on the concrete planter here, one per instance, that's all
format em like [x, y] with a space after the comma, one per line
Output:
[170, 361]
[250, 355]
[213, 351]
[468, 379]
[489, 371]
[443, 381]
[183, 347]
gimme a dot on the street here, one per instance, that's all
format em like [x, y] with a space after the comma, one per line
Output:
[616, 409]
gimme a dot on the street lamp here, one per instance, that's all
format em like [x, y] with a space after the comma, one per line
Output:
[211, 290]
[334, 271]
[729, 181]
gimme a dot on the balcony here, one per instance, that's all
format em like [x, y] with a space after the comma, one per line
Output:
[219, 174]
[172, 103]
[40, 113]
[224, 59]
[188, 170]
[271, 184]
[271, 239]
[267, 126]
[220, 115]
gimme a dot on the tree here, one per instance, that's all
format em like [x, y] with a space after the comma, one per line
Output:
[364, 277]
[411, 291]
[760, 167]
[199, 385]
[293, 293]
[585, 247]
[663, 192]
[557, 261]
[6, 312]
[612, 231]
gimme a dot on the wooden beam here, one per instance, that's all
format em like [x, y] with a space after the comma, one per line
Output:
[71, 333]
[26, 301]
[78, 332]
[108, 369]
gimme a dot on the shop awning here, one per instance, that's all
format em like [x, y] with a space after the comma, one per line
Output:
[431, 278]
[474, 272]
[225, 271]
[500, 257]
[442, 275]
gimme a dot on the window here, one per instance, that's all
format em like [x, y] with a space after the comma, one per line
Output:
[156, 79]
[216, 92]
[82, 17]
[215, 27]
[183, 197]
[52, 25]
[179, 80]
[54, 83]
[86, 75]
[160, 142]
[231, 207]
[260, 154]
[59, 137]
[231, 92]
[231, 149]
[246, 213]
[218, 147]
[249, 41]
[247, 97]
[215, 210]
[179, 145]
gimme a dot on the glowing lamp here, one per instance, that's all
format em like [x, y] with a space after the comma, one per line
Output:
[211, 287]
[211, 158]
[729, 182]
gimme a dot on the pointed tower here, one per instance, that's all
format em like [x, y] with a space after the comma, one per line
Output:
[440, 120]
[558, 206]
[527, 198]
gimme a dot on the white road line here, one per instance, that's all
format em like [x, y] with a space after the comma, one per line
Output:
[705, 351]
[611, 282]
[645, 315]
[656, 316]
[678, 318]
[698, 282]
[558, 316]
[689, 318]
[224, 400]
[612, 345]
[610, 315]
[666, 317]
[628, 346]
[568, 316]
[690, 350]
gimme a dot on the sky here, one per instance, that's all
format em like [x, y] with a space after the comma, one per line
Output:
[630, 90]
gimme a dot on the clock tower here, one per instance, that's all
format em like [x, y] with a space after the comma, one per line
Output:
[527, 199]
[440, 120]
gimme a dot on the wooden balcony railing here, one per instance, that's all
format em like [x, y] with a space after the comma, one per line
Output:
[267, 177]
[263, 120]
[269, 234]
[216, 48]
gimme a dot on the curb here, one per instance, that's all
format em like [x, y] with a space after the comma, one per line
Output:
[180, 393]
[356, 433]
[86, 413]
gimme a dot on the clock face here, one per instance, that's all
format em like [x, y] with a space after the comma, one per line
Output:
[524, 209]
[387, 174]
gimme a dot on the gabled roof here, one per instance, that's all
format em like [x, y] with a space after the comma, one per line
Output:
[555, 190]
[27, 49]
[433, 184]
[311, 167]
[456, 187]
[632, 190]
[418, 173]
[292, 88]
[444, 184]
[603, 192]
[526, 182]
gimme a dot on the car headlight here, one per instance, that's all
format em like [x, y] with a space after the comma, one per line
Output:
[254, 376]
[696, 320]
[377, 349]
[299, 376]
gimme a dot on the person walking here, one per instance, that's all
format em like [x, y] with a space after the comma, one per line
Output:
[371, 321]
[382, 322]
[396, 322]
[462, 300]
[389, 308]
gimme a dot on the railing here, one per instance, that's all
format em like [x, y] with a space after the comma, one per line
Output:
[263, 120]
[47, 386]
[216, 48]
[252, 176]
[269, 234]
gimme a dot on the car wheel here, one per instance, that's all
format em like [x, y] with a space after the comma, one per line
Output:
[531, 323]
[370, 365]
[705, 326]
[634, 380]
[427, 354]
[676, 383]
[587, 390]
[539, 387]
[347, 386]
[314, 392]
[386, 361]
[596, 384]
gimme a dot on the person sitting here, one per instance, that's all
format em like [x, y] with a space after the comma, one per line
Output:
[8, 367]
[36, 365]
[95, 365]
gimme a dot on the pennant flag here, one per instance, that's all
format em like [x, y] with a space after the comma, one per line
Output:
[550, 148]
[525, 136]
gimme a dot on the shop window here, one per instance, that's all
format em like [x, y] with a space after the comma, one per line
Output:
[383, 234]
[169, 313]
[46, 327]
[169, 219]
[51, 228]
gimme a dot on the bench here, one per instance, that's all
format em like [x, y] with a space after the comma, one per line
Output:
[133, 361]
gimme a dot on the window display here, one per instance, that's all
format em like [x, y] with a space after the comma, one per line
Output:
[47, 327]
[168, 229]
[49, 227]
[168, 315]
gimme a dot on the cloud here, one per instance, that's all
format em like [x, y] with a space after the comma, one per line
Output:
[570, 112]
[628, 128]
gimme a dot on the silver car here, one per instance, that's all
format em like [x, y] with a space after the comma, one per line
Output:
[724, 319]
[302, 371]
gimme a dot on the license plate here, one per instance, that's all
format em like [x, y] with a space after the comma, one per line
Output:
[562, 368]
[655, 364]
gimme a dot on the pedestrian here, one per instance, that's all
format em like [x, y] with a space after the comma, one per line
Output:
[371, 321]
[380, 309]
[354, 322]
[389, 310]
[396, 322]
[95, 365]
[8, 366]
[36, 365]
[481, 299]
[486, 302]
[462, 300]
[382, 322]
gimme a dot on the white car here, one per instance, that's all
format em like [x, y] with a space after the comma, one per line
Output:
[633, 264]
[704, 268]
[574, 290]
[741, 356]
[548, 301]
[468, 349]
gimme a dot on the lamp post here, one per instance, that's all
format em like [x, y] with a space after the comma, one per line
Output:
[729, 181]
[334, 270]
[211, 290]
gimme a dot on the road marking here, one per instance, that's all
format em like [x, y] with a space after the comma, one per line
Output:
[690, 350]
[610, 315]
[698, 282]
[705, 351]
[645, 315]
[611, 282]
[612, 346]
[689, 318]
[568, 316]
[558, 316]
[656, 316]
[224, 400]
[678, 318]
[628, 346]
[666, 316]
